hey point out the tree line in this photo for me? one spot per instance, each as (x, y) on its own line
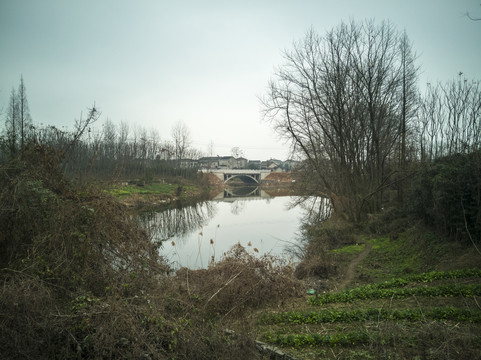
(350, 105)
(109, 151)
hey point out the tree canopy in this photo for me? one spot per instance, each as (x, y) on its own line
(345, 101)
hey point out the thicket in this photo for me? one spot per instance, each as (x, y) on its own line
(446, 194)
(80, 278)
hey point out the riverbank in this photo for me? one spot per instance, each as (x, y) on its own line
(136, 194)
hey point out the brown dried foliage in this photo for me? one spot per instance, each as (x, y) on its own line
(80, 278)
(239, 282)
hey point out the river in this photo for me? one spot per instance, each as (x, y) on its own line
(195, 235)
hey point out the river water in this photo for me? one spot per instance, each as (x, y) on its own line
(193, 236)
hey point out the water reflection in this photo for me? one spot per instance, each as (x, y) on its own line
(203, 232)
(316, 209)
(244, 192)
(166, 224)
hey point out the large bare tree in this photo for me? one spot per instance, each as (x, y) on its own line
(342, 101)
(18, 121)
(24, 119)
(11, 122)
(181, 138)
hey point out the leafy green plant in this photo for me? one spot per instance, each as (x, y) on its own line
(316, 339)
(366, 293)
(385, 289)
(370, 314)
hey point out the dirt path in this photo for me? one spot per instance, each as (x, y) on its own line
(351, 269)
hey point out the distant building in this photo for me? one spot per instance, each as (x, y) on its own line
(230, 162)
(222, 162)
(209, 162)
(241, 163)
(188, 163)
(254, 164)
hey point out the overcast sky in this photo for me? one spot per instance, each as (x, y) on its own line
(153, 63)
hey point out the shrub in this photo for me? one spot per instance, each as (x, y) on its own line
(82, 279)
(240, 281)
(446, 195)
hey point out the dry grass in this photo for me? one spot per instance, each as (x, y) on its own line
(79, 278)
(239, 282)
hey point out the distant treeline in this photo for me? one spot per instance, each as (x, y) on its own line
(113, 151)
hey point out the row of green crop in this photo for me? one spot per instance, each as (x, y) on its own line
(370, 293)
(346, 339)
(316, 339)
(439, 275)
(347, 316)
(427, 277)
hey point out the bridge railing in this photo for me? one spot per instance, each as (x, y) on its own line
(236, 171)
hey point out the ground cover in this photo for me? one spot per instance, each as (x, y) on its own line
(391, 308)
(153, 188)
(155, 193)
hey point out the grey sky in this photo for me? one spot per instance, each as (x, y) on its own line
(153, 63)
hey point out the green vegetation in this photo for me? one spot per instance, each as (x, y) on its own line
(392, 308)
(409, 317)
(379, 292)
(350, 249)
(153, 188)
(370, 314)
(147, 189)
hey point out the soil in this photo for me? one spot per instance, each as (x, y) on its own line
(351, 269)
(279, 177)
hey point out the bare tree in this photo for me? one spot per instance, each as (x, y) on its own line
(123, 138)
(409, 103)
(181, 138)
(210, 148)
(154, 143)
(472, 17)
(237, 152)
(24, 119)
(339, 100)
(18, 121)
(11, 122)
(450, 119)
(109, 139)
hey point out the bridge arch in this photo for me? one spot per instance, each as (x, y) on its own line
(243, 193)
(253, 177)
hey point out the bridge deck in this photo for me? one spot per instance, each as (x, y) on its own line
(228, 174)
(237, 171)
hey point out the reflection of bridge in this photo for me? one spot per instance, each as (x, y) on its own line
(245, 175)
(241, 193)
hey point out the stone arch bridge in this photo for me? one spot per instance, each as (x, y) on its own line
(248, 176)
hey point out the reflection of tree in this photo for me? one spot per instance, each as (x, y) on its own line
(166, 224)
(316, 209)
(237, 207)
